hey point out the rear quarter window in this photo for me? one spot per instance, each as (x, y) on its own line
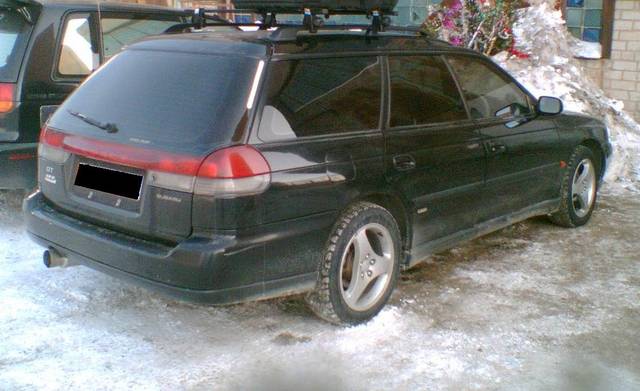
(315, 97)
(14, 36)
(77, 56)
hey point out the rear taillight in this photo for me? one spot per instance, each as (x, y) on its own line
(7, 91)
(233, 171)
(229, 172)
(226, 173)
(51, 146)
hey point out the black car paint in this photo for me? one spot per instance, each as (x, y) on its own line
(38, 83)
(270, 244)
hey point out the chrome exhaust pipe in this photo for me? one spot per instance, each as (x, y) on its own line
(53, 258)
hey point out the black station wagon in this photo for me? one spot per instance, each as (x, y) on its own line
(46, 50)
(225, 167)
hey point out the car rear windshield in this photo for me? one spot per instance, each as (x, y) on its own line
(173, 101)
(14, 36)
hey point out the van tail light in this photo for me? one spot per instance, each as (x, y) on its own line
(229, 172)
(7, 92)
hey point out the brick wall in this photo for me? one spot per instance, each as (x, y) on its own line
(620, 75)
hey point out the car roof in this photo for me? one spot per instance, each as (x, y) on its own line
(106, 6)
(294, 41)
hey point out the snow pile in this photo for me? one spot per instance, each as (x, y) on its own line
(552, 70)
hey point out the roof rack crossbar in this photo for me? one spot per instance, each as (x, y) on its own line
(310, 21)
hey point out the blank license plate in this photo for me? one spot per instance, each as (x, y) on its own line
(119, 183)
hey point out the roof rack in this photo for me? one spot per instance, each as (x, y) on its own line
(311, 21)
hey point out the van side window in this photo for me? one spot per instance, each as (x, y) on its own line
(423, 92)
(314, 97)
(121, 30)
(488, 92)
(77, 57)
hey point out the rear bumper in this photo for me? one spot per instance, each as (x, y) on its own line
(18, 164)
(217, 269)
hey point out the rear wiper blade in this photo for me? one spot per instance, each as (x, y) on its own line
(108, 126)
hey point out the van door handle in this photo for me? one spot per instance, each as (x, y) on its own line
(496, 149)
(404, 162)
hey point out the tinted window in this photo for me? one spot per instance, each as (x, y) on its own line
(77, 57)
(423, 91)
(321, 96)
(14, 35)
(489, 93)
(182, 102)
(123, 30)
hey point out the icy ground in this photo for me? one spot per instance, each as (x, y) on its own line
(533, 307)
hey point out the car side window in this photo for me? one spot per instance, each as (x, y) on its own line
(489, 93)
(423, 92)
(77, 57)
(313, 97)
(121, 30)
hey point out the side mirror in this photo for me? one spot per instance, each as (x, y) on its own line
(549, 105)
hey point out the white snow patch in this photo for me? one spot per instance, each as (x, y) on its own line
(584, 49)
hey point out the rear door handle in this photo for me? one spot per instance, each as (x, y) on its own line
(404, 162)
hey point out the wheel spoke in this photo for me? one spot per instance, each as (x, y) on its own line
(580, 180)
(379, 266)
(582, 200)
(363, 248)
(359, 282)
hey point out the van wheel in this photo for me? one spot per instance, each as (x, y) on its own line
(578, 191)
(360, 266)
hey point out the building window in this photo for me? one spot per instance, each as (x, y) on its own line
(412, 12)
(584, 19)
(591, 21)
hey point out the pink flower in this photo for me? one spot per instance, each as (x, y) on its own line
(456, 5)
(448, 24)
(456, 41)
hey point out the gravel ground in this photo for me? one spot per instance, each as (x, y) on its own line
(532, 307)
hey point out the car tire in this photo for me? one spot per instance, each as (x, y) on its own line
(359, 266)
(579, 189)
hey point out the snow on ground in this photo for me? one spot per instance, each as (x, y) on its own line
(552, 70)
(531, 307)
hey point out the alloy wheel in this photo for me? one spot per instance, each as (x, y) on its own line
(366, 267)
(583, 188)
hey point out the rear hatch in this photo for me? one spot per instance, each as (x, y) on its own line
(124, 150)
(17, 19)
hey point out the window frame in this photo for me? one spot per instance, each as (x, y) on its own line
(254, 135)
(606, 36)
(93, 30)
(426, 125)
(532, 100)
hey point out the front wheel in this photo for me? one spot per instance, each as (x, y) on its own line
(360, 266)
(579, 189)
